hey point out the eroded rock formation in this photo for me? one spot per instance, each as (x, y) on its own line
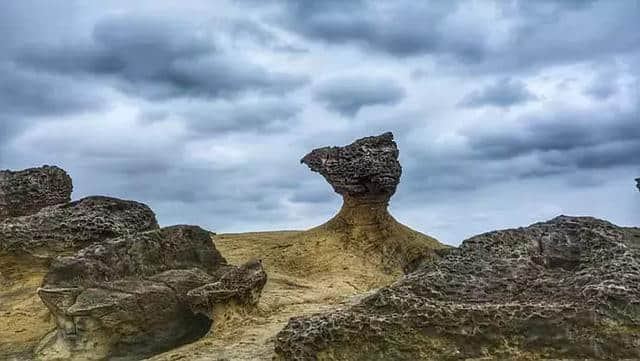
(366, 174)
(26, 192)
(137, 295)
(568, 288)
(71, 226)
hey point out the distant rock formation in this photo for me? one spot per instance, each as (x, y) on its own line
(27, 191)
(71, 226)
(137, 295)
(568, 288)
(638, 183)
(366, 174)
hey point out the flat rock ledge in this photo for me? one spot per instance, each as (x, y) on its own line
(568, 288)
(66, 228)
(134, 296)
(27, 191)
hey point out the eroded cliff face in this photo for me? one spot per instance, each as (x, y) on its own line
(366, 173)
(568, 288)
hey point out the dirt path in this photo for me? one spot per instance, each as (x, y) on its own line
(305, 276)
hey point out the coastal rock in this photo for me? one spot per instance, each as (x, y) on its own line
(367, 167)
(366, 173)
(568, 288)
(131, 297)
(71, 226)
(27, 191)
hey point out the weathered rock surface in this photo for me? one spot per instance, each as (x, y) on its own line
(136, 295)
(27, 191)
(367, 167)
(366, 174)
(68, 227)
(568, 288)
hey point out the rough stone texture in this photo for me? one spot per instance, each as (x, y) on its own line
(367, 167)
(366, 174)
(130, 297)
(27, 191)
(568, 288)
(69, 227)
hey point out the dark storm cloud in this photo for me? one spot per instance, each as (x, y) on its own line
(266, 115)
(157, 59)
(347, 95)
(25, 93)
(503, 93)
(521, 34)
(560, 132)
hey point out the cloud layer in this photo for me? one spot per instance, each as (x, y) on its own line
(505, 112)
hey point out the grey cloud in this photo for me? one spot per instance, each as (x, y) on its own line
(347, 95)
(503, 93)
(538, 32)
(158, 59)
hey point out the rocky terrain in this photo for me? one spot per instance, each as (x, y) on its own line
(98, 279)
(568, 288)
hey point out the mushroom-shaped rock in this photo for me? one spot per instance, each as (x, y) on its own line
(366, 174)
(27, 191)
(568, 288)
(71, 226)
(129, 297)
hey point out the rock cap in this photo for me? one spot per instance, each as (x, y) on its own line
(367, 167)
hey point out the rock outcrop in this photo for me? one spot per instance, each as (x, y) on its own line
(136, 295)
(568, 288)
(68, 227)
(366, 173)
(26, 192)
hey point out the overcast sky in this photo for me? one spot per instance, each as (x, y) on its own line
(505, 113)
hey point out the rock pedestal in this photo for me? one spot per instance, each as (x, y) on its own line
(366, 174)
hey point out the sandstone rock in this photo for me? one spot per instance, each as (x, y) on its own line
(69, 227)
(26, 192)
(130, 297)
(568, 288)
(366, 174)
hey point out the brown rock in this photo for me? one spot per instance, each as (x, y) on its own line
(27, 191)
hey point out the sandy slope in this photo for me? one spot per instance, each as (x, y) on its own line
(306, 275)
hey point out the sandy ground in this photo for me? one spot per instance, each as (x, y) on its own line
(24, 319)
(306, 275)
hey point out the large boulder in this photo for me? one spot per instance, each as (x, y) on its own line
(366, 174)
(65, 228)
(27, 191)
(136, 295)
(568, 288)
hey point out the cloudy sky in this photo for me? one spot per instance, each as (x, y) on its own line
(505, 113)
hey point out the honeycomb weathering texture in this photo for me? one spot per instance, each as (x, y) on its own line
(27, 191)
(368, 166)
(566, 288)
(131, 297)
(72, 226)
